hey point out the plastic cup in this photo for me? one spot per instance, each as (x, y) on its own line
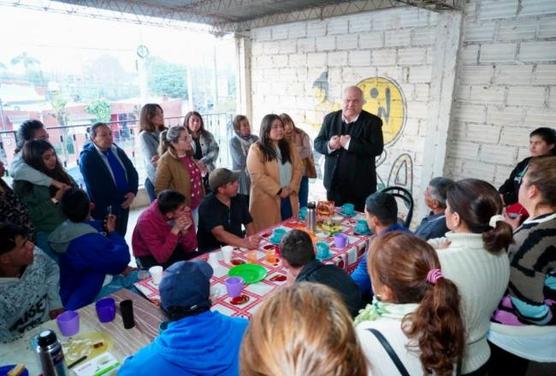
(362, 226)
(156, 274)
(68, 323)
(234, 285)
(278, 233)
(340, 240)
(106, 309)
(227, 254)
(270, 255)
(348, 209)
(322, 250)
(252, 257)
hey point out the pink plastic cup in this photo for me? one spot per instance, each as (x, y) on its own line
(68, 323)
(234, 285)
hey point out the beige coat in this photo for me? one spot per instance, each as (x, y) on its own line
(264, 203)
(172, 174)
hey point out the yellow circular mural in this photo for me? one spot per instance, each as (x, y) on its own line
(385, 99)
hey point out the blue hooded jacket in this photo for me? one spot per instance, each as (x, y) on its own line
(86, 256)
(361, 275)
(204, 344)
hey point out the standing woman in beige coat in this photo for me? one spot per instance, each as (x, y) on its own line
(177, 170)
(275, 171)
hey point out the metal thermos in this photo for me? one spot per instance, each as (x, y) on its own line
(51, 355)
(311, 219)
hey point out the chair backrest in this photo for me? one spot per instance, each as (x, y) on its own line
(407, 199)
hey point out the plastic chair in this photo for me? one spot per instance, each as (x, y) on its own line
(407, 199)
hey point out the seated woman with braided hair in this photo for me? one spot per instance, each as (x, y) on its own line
(414, 325)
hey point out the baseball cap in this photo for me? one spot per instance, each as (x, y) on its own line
(221, 176)
(186, 284)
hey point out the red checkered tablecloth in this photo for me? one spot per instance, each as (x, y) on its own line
(346, 258)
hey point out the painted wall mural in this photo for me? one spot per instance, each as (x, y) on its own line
(384, 98)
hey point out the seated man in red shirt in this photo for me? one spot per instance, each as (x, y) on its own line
(164, 232)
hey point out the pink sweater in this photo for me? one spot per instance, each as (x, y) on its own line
(152, 236)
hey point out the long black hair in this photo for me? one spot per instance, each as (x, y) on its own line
(32, 155)
(266, 145)
(26, 132)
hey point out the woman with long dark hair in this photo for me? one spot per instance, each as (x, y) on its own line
(41, 201)
(177, 170)
(239, 147)
(473, 255)
(275, 172)
(416, 309)
(302, 143)
(151, 123)
(205, 148)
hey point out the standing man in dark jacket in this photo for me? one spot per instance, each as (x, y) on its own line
(109, 175)
(299, 257)
(350, 140)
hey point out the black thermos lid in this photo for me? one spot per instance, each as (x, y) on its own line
(46, 338)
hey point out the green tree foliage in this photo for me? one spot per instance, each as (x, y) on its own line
(166, 78)
(100, 108)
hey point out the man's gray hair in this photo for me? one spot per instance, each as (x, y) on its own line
(355, 88)
(439, 186)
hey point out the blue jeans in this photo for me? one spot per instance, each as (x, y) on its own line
(303, 192)
(149, 187)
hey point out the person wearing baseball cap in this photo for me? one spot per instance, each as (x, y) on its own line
(222, 214)
(196, 341)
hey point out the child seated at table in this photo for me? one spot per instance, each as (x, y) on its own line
(300, 330)
(91, 257)
(28, 284)
(197, 341)
(298, 255)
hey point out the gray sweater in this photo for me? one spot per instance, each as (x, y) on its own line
(26, 302)
(148, 143)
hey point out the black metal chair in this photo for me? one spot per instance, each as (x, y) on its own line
(407, 199)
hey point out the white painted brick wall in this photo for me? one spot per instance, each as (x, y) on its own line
(498, 52)
(505, 86)
(505, 82)
(526, 96)
(538, 51)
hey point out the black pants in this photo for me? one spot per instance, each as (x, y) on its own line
(504, 363)
(145, 262)
(346, 196)
(121, 221)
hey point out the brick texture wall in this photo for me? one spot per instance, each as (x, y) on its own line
(506, 86)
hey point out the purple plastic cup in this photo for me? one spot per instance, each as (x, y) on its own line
(106, 309)
(234, 285)
(340, 240)
(68, 323)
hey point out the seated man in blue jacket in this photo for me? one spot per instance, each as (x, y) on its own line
(90, 256)
(381, 211)
(197, 341)
(298, 255)
(434, 224)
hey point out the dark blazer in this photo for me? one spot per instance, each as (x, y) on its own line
(510, 189)
(335, 278)
(432, 226)
(99, 182)
(366, 143)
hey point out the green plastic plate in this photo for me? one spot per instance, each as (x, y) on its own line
(251, 273)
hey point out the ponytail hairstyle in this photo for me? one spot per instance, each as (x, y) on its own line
(266, 145)
(476, 202)
(169, 136)
(405, 264)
